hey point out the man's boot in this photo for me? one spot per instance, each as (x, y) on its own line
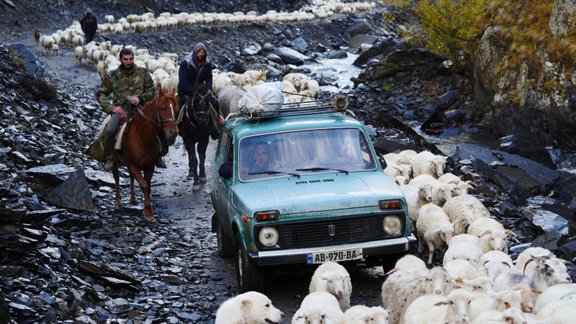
(109, 152)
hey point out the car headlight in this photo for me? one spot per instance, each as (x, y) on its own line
(268, 236)
(392, 225)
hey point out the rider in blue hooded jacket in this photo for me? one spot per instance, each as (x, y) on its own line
(194, 69)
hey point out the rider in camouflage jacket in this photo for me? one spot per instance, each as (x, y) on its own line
(131, 86)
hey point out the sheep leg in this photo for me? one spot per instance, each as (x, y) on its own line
(430, 252)
(420, 244)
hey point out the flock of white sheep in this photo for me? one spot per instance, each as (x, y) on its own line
(478, 282)
(164, 67)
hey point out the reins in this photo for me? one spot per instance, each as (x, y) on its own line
(191, 105)
(159, 120)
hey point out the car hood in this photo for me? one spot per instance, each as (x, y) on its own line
(315, 194)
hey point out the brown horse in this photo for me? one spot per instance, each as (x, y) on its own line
(142, 146)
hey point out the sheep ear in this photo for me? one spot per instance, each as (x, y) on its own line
(391, 272)
(459, 282)
(441, 303)
(485, 233)
(536, 291)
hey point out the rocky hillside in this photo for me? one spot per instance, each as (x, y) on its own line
(524, 70)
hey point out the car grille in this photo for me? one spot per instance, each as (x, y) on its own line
(330, 232)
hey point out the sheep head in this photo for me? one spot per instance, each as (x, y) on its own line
(337, 283)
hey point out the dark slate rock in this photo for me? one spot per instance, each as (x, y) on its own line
(339, 54)
(74, 193)
(359, 27)
(31, 62)
(569, 249)
(377, 51)
(406, 60)
(291, 56)
(528, 146)
(300, 45)
(446, 100)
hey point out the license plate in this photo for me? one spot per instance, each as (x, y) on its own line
(335, 256)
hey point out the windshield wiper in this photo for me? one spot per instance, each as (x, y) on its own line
(275, 172)
(323, 169)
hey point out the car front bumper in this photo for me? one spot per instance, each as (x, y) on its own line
(299, 256)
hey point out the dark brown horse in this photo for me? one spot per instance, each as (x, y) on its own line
(142, 145)
(198, 123)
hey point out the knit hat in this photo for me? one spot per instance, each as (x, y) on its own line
(191, 57)
(88, 10)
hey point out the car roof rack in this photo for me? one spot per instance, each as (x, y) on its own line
(338, 103)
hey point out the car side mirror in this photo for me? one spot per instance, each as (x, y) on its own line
(225, 170)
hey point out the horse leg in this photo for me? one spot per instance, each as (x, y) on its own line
(144, 183)
(148, 212)
(116, 174)
(202, 146)
(132, 192)
(190, 148)
(194, 168)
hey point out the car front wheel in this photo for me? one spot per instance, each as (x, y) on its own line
(225, 245)
(249, 276)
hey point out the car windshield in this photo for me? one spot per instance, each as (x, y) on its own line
(297, 153)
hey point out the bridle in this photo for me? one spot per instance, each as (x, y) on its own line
(191, 105)
(159, 121)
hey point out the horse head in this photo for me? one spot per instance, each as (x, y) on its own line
(166, 111)
(199, 109)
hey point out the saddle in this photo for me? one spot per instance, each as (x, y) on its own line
(97, 149)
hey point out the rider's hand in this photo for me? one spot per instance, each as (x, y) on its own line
(117, 110)
(221, 120)
(134, 100)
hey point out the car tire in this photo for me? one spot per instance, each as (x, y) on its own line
(225, 245)
(249, 277)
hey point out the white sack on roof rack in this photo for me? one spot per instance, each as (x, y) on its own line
(263, 100)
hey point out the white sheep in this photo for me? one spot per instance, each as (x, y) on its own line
(460, 269)
(318, 307)
(500, 301)
(464, 247)
(402, 287)
(460, 187)
(361, 314)
(440, 309)
(416, 196)
(492, 234)
(441, 192)
(409, 262)
(464, 209)
(433, 227)
(393, 170)
(559, 292)
(542, 268)
(335, 279)
(559, 312)
(480, 284)
(406, 156)
(426, 162)
(493, 263)
(509, 316)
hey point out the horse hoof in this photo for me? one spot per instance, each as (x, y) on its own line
(149, 216)
(203, 179)
(196, 186)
